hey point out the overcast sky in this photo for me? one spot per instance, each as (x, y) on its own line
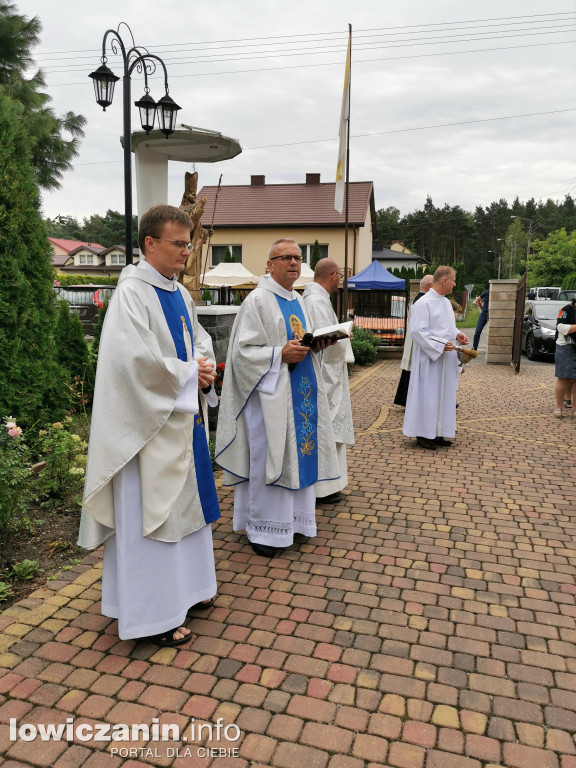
(445, 93)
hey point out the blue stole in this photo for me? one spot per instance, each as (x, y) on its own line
(177, 318)
(304, 396)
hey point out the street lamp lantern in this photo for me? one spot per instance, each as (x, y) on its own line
(136, 57)
(147, 107)
(104, 82)
(168, 112)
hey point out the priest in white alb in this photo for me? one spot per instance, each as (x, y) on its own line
(430, 414)
(274, 440)
(334, 367)
(149, 492)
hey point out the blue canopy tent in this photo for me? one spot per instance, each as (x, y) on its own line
(377, 277)
(377, 301)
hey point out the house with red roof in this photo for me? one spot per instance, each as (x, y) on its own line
(76, 257)
(62, 249)
(248, 218)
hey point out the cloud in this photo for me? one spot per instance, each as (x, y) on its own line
(292, 99)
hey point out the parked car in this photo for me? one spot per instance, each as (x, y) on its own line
(539, 328)
(85, 301)
(565, 296)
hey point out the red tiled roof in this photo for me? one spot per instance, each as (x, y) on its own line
(70, 245)
(271, 205)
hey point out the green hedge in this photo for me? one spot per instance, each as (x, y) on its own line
(66, 280)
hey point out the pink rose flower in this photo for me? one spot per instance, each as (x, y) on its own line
(15, 431)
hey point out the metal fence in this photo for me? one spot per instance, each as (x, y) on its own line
(382, 312)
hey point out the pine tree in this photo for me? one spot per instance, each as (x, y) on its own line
(51, 152)
(32, 385)
(71, 347)
(315, 255)
(73, 355)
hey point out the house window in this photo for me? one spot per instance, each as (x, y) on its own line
(86, 258)
(117, 258)
(307, 252)
(222, 253)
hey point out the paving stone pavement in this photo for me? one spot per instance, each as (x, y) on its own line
(430, 624)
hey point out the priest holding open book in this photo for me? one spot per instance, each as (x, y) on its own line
(275, 440)
(334, 367)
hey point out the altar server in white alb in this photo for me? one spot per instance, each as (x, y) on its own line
(149, 492)
(431, 404)
(334, 367)
(275, 438)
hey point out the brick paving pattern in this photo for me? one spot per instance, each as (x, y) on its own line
(430, 624)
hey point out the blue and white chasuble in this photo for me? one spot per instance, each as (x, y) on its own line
(304, 396)
(180, 326)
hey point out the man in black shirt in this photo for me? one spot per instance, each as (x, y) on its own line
(482, 302)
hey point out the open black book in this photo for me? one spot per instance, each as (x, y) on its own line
(340, 331)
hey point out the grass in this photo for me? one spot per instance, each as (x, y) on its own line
(471, 318)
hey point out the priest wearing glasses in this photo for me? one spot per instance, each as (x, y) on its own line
(275, 440)
(149, 492)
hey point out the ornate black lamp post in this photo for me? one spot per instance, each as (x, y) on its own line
(104, 79)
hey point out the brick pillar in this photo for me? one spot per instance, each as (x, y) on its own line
(414, 289)
(501, 312)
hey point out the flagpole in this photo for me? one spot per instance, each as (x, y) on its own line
(344, 308)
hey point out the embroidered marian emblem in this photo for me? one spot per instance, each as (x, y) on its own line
(306, 410)
(297, 327)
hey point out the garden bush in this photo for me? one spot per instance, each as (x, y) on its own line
(365, 353)
(65, 455)
(361, 334)
(15, 478)
(59, 480)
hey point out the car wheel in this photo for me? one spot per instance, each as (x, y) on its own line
(531, 353)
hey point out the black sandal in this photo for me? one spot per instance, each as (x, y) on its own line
(203, 606)
(167, 639)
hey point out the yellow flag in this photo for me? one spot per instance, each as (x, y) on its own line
(344, 115)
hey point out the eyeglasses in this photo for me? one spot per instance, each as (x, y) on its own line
(180, 244)
(286, 257)
(340, 274)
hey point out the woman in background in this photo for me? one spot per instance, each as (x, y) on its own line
(565, 367)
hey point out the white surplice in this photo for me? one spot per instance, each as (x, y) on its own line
(335, 375)
(431, 403)
(268, 514)
(149, 585)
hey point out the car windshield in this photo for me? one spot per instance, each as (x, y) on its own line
(548, 312)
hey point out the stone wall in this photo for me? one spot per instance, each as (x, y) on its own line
(501, 312)
(218, 322)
